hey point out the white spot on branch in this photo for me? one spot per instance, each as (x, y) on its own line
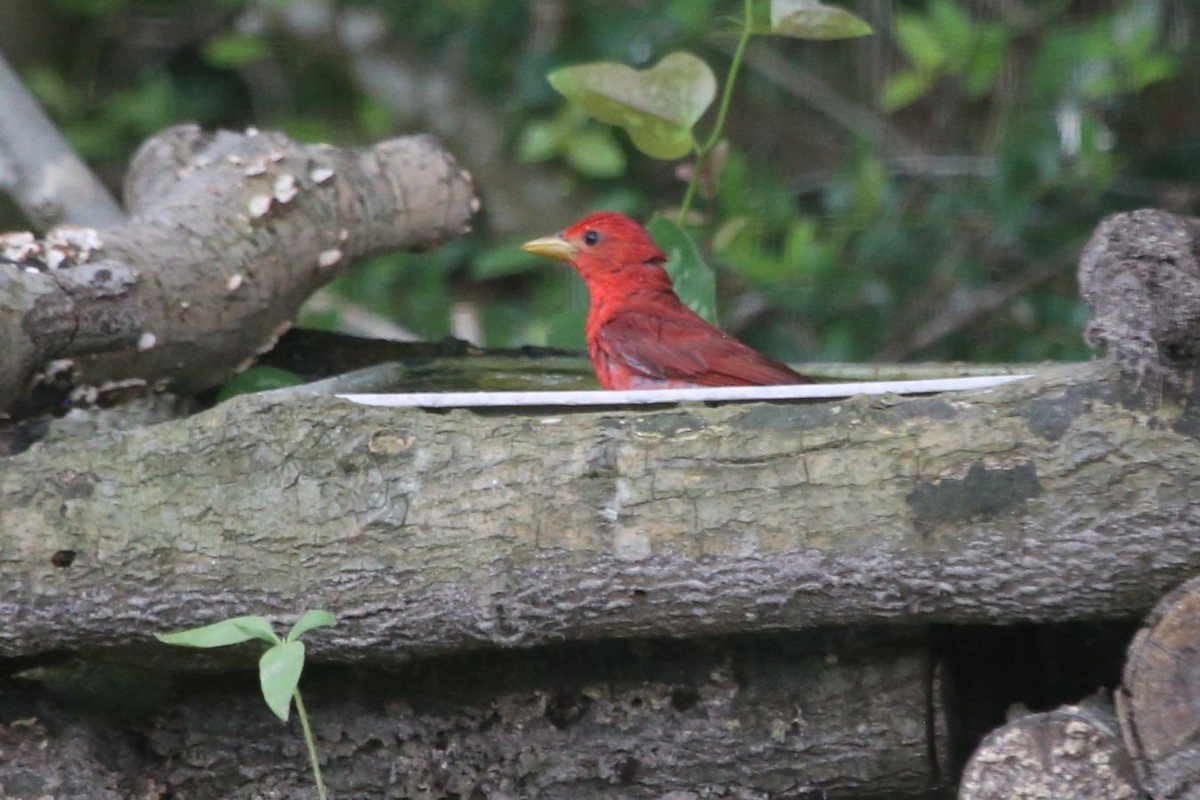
(17, 239)
(76, 242)
(273, 339)
(59, 367)
(328, 258)
(235, 282)
(259, 205)
(86, 395)
(285, 188)
(320, 174)
(19, 246)
(146, 341)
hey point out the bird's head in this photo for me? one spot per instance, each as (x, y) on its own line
(604, 246)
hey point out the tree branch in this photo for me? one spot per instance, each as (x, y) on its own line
(228, 235)
(39, 169)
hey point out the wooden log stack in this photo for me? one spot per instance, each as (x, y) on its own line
(742, 601)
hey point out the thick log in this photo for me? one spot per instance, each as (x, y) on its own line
(1159, 701)
(1052, 498)
(819, 714)
(1071, 753)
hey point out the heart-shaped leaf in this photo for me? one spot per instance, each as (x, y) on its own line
(279, 673)
(657, 107)
(694, 280)
(812, 19)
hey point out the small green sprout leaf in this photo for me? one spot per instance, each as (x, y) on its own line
(278, 670)
(694, 280)
(309, 620)
(812, 19)
(279, 673)
(230, 631)
(657, 107)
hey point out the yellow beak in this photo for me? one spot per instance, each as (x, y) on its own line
(555, 247)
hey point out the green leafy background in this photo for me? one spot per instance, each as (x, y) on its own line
(920, 193)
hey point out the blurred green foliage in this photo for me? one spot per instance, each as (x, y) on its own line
(941, 219)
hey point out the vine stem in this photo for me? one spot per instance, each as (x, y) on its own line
(312, 747)
(714, 136)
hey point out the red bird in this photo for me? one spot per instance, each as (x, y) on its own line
(640, 335)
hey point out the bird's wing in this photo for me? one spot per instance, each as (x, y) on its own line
(685, 348)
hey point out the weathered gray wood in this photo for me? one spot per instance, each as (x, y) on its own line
(1140, 274)
(813, 714)
(433, 532)
(1159, 701)
(1071, 753)
(228, 234)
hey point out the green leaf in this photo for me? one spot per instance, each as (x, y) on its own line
(233, 50)
(539, 140)
(951, 22)
(1152, 68)
(986, 59)
(812, 19)
(657, 107)
(694, 280)
(904, 88)
(230, 631)
(920, 42)
(594, 153)
(258, 379)
(279, 673)
(315, 618)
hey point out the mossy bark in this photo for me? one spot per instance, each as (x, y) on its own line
(1056, 497)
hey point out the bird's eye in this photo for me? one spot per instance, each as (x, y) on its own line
(591, 237)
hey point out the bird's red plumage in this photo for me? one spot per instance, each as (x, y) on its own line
(640, 334)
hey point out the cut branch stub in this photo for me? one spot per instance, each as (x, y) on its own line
(228, 234)
(1140, 275)
(1159, 703)
(1071, 753)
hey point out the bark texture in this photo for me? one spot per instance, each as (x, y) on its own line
(227, 236)
(1140, 274)
(427, 532)
(1160, 697)
(1072, 753)
(813, 714)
